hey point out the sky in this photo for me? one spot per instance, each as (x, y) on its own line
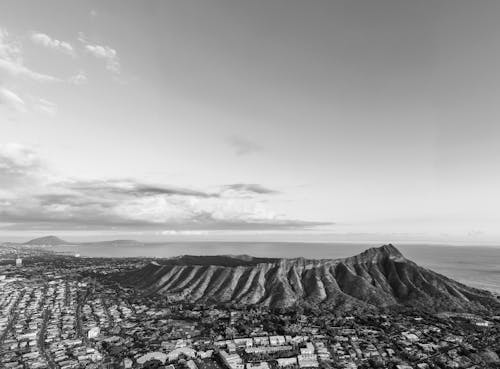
(281, 119)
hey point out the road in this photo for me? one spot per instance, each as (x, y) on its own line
(41, 340)
(81, 298)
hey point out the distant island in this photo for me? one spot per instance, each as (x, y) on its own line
(56, 241)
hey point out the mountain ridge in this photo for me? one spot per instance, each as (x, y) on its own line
(376, 278)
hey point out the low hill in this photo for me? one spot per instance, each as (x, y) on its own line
(46, 241)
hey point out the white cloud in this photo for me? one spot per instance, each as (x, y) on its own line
(20, 156)
(41, 200)
(16, 69)
(9, 50)
(46, 107)
(19, 166)
(79, 79)
(11, 100)
(106, 53)
(51, 43)
(11, 60)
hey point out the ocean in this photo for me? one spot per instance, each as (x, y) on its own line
(476, 266)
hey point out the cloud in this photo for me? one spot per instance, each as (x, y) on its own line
(251, 188)
(8, 49)
(11, 100)
(243, 146)
(16, 158)
(13, 103)
(79, 79)
(34, 199)
(107, 53)
(48, 42)
(11, 60)
(16, 69)
(46, 107)
(129, 187)
(19, 166)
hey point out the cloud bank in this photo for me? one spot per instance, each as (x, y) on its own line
(32, 198)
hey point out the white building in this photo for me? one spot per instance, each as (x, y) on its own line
(308, 361)
(412, 337)
(267, 349)
(277, 340)
(127, 363)
(93, 332)
(287, 361)
(232, 361)
(308, 350)
(264, 341)
(243, 342)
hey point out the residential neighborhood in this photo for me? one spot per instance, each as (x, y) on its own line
(70, 312)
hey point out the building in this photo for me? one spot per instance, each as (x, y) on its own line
(308, 350)
(127, 363)
(243, 342)
(19, 262)
(277, 340)
(287, 361)
(93, 332)
(232, 361)
(261, 365)
(267, 349)
(308, 361)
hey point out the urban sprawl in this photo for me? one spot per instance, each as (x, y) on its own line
(67, 312)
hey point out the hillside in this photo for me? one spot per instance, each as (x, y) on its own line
(377, 278)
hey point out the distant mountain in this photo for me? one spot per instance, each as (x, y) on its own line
(46, 241)
(55, 241)
(377, 278)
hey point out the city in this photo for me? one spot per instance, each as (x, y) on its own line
(249, 184)
(60, 311)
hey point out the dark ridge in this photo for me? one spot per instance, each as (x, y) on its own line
(220, 260)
